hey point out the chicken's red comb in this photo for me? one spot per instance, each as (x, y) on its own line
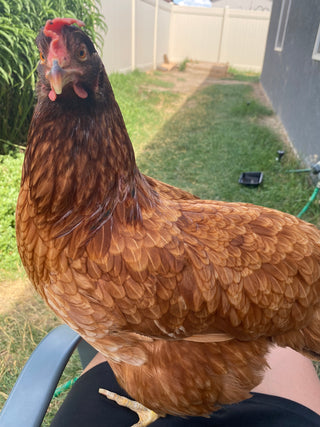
(53, 26)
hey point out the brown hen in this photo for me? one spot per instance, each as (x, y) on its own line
(178, 293)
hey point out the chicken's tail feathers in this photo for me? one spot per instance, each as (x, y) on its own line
(306, 340)
(312, 340)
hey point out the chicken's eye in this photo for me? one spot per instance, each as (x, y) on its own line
(42, 58)
(82, 53)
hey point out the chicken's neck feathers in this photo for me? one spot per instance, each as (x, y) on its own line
(81, 165)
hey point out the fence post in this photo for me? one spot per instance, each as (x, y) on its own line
(133, 35)
(223, 31)
(155, 34)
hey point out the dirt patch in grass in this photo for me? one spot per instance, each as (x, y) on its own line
(14, 292)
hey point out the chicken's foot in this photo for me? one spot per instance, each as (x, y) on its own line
(146, 416)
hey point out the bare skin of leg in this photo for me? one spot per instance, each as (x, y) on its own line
(291, 376)
(98, 358)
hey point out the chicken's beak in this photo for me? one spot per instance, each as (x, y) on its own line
(60, 77)
(55, 77)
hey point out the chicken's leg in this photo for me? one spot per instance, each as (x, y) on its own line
(146, 416)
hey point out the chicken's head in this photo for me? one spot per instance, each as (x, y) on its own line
(69, 63)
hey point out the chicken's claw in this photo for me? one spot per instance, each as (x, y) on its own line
(146, 416)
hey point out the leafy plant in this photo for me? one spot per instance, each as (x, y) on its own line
(10, 175)
(20, 21)
(183, 64)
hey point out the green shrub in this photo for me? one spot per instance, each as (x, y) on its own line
(20, 21)
(10, 175)
(183, 65)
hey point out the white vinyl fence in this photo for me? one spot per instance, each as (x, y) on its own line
(141, 32)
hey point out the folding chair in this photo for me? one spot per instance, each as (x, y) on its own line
(30, 397)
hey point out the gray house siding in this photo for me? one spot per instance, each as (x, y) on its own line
(291, 78)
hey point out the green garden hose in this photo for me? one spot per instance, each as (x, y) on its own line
(299, 170)
(64, 387)
(312, 198)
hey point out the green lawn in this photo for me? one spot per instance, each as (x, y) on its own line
(214, 137)
(201, 146)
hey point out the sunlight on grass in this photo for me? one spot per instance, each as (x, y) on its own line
(145, 109)
(243, 76)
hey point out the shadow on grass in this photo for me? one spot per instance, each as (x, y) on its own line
(216, 135)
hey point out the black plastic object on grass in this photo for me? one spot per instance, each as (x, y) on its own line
(251, 179)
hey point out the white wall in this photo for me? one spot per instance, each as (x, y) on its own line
(237, 37)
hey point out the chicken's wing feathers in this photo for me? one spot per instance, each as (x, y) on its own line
(198, 264)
